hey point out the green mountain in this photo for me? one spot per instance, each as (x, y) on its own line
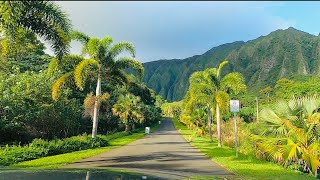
(282, 53)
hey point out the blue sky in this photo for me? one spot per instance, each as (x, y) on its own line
(167, 30)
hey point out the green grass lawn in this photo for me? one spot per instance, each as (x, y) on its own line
(245, 167)
(60, 160)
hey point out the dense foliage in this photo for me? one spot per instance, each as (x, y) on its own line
(278, 123)
(103, 64)
(53, 97)
(42, 148)
(286, 131)
(44, 18)
(29, 108)
(291, 133)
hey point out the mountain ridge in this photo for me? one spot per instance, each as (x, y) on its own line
(281, 53)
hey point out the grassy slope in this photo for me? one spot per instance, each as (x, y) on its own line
(244, 166)
(60, 160)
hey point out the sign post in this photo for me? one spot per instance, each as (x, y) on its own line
(235, 107)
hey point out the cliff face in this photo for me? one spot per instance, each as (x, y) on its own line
(282, 53)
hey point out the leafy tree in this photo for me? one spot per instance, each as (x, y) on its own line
(292, 133)
(138, 88)
(266, 92)
(173, 109)
(102, 64)
(43, 18)
(25, 52)
(160, 101)
(27, 110)
(129, 110)
(207, 88)
(284, 88)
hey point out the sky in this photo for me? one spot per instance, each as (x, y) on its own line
(169, 30)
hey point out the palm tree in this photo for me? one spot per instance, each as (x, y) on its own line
(209, 89)
(128, 109)
(43, 18)
(102, 63)
(292, 133)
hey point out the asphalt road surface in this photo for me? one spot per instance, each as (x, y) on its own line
(164, 153)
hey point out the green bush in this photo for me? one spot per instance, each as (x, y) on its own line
(41, 148)
(248, 114)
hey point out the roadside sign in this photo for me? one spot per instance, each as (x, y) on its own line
(147, 130)
(234, 106)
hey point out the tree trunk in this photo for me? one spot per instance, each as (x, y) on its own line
(127, 127)
(209, 125)
(218, 125)
(96, 109)
(133, 126)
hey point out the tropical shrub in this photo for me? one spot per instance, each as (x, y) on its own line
(27, 111)
(244, 143)
(292, 133)
(41, 148)
(128, 109)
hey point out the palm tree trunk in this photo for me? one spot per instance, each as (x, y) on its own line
(218, 125)
(96, 108)
(209, 125)
(127, 127)
(133, 126)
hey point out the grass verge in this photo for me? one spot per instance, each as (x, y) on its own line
(57, 161)
(244, 166)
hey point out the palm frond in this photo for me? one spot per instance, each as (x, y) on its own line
(235, 82)
(80, 36)
(79, 76)
(90, 101)
(293, 150)
(222, 99)
(198, 77)
(310, 104)
(94, 48)
(273, 122)
(46, 19)
(128, 62)
(117, 76)
(202, 88)
(53, 66)
(211, 76)
(59, 84)
(297, 120)
(221, 65)
(311, 158)
(120, 47)
(106, 41)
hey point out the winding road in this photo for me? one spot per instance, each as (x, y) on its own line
(164, 153)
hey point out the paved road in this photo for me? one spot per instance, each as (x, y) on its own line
(164, 153)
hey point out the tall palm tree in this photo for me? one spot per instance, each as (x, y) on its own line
(43, 18)
(209, 89)
(292, 132)
(103, 64)
(128, 109)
